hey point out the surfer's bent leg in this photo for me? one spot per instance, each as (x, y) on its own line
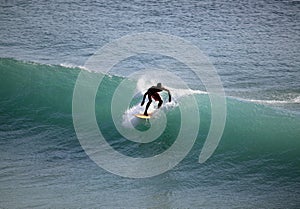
(160, 103)
(156, 97)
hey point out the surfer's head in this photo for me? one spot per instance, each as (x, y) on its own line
(159, 85)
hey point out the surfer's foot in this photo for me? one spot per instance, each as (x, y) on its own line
(146, 114)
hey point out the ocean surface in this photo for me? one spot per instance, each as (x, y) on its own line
(254, 47)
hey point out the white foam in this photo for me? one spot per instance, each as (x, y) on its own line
(288, 101)
(128, 116)
(296, 100)
(178, 93)
(68, 65)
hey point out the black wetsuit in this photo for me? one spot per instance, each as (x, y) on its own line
(153, 93)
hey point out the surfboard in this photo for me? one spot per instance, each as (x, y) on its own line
(142, 116)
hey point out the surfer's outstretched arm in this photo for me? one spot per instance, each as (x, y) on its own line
(169, 95)
(167, 90)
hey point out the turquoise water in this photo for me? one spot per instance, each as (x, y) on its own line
(43, 165)
(254, 47)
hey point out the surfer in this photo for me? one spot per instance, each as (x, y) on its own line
(153, 93)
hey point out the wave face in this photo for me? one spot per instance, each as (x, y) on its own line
(260, 145)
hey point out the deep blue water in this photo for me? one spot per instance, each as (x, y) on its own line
(254, 47)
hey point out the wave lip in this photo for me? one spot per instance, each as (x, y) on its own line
(295, 100)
